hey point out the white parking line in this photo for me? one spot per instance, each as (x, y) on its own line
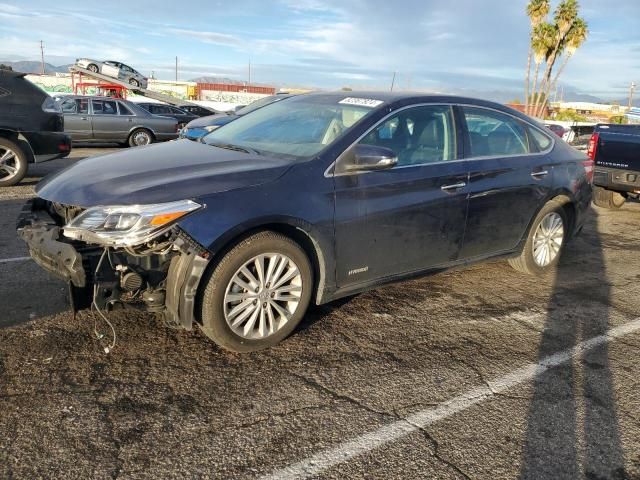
(15, 259)
(16, 197)
(376, 438)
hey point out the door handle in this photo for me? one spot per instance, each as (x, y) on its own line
(541, 174)
(455, 186)
(84, 118)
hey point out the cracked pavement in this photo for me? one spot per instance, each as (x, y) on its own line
(170, 404)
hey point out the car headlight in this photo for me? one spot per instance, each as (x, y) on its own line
(127, 225)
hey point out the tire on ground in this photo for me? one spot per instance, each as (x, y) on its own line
(21, 161)
(131, 140)
(214, 324)
(525, 261)
(607, 199)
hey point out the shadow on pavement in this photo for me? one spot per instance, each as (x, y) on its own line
(572, 428)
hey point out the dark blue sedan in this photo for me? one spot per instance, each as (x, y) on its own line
(309, 199)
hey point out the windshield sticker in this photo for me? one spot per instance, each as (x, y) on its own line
(362, 102)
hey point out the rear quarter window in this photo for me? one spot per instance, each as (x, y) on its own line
(542, 141)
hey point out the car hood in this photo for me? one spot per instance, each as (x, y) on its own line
(217, 119)
(158, 173)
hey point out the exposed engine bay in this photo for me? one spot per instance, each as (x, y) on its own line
(160, 274)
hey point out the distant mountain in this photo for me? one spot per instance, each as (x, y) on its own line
(36, 67)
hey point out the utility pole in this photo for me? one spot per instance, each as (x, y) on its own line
(249, 84)
(41, 57)
(393, 81)
(632, 89)
(176, 69)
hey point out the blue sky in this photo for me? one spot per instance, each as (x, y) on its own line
(459, 46)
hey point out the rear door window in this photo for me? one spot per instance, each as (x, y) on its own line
(495, 134)
(160, 110)
(104, 107)
(124, 110)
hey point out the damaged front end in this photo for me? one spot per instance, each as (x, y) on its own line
(119, 256)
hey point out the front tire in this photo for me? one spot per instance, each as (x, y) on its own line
(13, 163)
(258, 293)
(140, 137)
(92, 67)
(545, 242)
(607, 199)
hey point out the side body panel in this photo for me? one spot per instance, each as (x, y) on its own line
(398, 221)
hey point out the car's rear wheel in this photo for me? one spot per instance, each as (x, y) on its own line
(257, 294)
(134, 82)
(545, 242)
(92, 67)
(140, 137)
(607, 199)
(13, 163)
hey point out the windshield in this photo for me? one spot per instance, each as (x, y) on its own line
(298, 127)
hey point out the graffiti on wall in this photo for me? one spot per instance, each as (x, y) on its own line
(239, 98)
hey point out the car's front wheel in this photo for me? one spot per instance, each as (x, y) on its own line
(257, 294)
(92, 67)
(13, 163)
(545, 242)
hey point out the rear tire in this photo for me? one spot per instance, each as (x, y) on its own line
(13, 163)
(607, 199)
(550, 232)
(140, 137)
(246, 312)
(92, 67)
(134, 82)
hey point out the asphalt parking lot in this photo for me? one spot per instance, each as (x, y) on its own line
(478, 373)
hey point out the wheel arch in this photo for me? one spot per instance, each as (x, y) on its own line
(565, 199)
(20, 139)
(297, 230)
(141, 127)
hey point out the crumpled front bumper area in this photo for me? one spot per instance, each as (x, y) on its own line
(42, 235)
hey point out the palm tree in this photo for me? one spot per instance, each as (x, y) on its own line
(540, 44)
(537, 11)
(565, 16)
(574, 39)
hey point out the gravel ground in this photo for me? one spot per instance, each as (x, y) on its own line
(170, 404)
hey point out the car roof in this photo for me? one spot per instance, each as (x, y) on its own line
(93, 97)
(398, 99)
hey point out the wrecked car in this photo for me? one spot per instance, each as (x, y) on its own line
(309, 199)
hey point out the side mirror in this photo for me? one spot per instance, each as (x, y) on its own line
(371, 157)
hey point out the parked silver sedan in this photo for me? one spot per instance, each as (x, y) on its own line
(113, 120)
(114, 69)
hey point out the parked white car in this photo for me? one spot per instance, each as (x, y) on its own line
(114, 69)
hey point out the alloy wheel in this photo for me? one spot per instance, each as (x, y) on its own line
(262, 296)
(548, 239)
(9, 163)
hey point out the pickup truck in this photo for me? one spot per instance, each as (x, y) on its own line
(615, 149)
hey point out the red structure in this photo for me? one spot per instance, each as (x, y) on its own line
(103, 89)
(230, 87)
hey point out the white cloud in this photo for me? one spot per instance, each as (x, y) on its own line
(216, 38)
